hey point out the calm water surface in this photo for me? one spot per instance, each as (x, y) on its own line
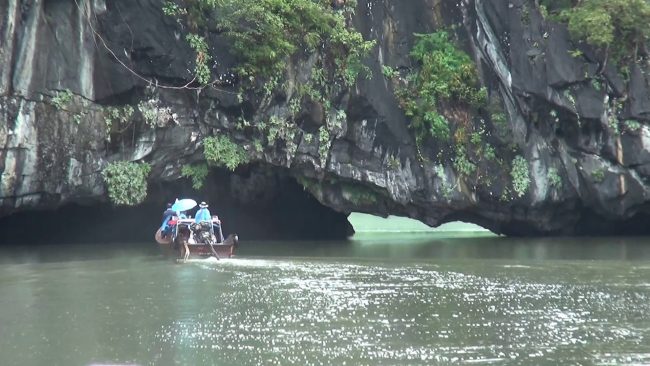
(383, 300)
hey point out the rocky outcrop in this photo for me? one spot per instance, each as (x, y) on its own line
(587, 169)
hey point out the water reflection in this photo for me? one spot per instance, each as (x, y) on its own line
(465, 246)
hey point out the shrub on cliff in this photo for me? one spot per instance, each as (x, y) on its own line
(126, 182)
(222, 151)
(445, 73)
(619, 27)
(265, 33)
(520, 175)
(197, 173)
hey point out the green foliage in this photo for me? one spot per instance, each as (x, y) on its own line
(280, 129)
(62, 98)
(489, 152)
(222, 151)
(257, 145)
(116, 116)
(498, 117)
(596, 84)
(613, 123)
(462, 164)
(197, 173)
(576, 53)
(446, 188)
(598, 175)
(554, 179)
(520, 175)
(265, 33)
(475, 138)
(616, 25)
(445, 73)
(324, 143)
(632, 124)
(171, 9)
(201, 68)
(126, 182)
(389, 72)
(148, 113)
(393, 162)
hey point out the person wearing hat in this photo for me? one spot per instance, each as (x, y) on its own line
(203, 214)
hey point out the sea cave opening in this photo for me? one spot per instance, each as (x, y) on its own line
(259, 205)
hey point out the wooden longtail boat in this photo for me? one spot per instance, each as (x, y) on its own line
(190, 240)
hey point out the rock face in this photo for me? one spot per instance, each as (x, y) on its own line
(585, 173)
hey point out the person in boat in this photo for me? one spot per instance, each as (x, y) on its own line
(203, 215)
(167, 215)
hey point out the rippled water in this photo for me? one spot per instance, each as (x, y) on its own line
(369, 302)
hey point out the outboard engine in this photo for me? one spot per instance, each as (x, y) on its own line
(203, 232)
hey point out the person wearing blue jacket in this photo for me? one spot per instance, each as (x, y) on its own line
(203, 214)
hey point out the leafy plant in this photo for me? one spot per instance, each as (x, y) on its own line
(489, 152)
(324, 144)
(154, 115)
(445, 73)
(389, 71)
(461, 163)
(616, 26)
(632, 124)
(520, 175)
(613, 123)
(265, 33)
(117, 115)
(598, 175)
(197, 173)
(554, 179)
(172, 9)
(393, 162)
(126, 182)
(447, 189)
(62, 98)
(201, 68)
(222, 151)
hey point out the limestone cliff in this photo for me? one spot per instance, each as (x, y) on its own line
(586, 175)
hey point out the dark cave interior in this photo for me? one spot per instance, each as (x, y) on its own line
(257, 206)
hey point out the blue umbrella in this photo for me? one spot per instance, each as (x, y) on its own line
(184, 205)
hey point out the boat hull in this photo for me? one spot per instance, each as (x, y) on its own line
(162, 240)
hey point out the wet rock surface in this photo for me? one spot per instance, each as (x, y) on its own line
(557, 108)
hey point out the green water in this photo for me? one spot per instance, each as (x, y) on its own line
(380, 300)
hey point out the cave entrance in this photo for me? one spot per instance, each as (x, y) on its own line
(257, 205)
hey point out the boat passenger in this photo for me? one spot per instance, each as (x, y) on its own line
(167, 215)
(203, 214)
